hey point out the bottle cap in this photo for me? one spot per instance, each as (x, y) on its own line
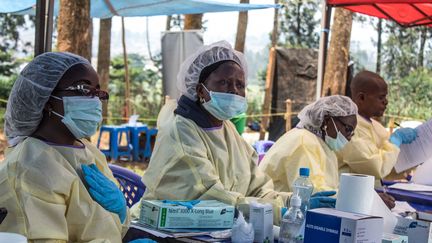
(295, 201)
(304, 172)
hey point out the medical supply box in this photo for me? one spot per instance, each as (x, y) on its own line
(392, 238)
(209, 214)
(332, 226)
(418, 231)
(261, 218)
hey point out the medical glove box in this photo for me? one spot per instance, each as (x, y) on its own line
(332, 226)
(418, 231)
(209, 214)
(392, 238)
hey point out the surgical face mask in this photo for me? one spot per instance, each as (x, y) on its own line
(82, 114)
(225, 106)
(337, 143)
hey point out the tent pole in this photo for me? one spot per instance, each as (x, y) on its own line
(325, 29)
(44, 25)
(49, 8)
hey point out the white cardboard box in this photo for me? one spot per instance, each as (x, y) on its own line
(332, 226)
(207, 214)
(418, 231)
(261, 217)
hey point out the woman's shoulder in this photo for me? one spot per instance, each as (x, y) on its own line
(299, 136)
(29, 147)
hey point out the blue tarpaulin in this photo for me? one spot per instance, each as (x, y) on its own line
(134, 8)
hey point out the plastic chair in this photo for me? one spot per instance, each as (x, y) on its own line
(152, 132)
(115, 149)
(262, 147)
(135, 132)
(130, 184)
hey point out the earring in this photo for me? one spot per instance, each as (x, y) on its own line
(202, 100)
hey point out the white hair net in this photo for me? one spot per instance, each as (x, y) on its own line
(312, 116)
(32, 90)
(190, 69)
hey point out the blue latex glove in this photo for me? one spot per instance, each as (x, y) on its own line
(187, 204)
(322, 200)
(403, 136)
(143, 241)
(104, 191)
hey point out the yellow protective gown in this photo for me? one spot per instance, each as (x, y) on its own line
(190, 162)
(301, 148)
(47, 201)
(369, 151)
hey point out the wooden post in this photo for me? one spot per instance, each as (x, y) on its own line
(391, 124)
(288, 115)
(268, 92)
(126, 73)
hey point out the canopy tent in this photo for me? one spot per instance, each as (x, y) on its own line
(407, 13)
(46, 9)
(109, 8)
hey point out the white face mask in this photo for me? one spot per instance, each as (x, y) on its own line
(82, 114)
(337, 143)
(225, 106)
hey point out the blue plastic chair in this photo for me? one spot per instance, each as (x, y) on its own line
(115, 149)
(135, 132)
(130, 184)
(148, 147)
(262, 147)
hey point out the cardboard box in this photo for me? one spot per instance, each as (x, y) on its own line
(207, 214)
(261, 218)
(392, 238)
(330, 225)
(418, 231)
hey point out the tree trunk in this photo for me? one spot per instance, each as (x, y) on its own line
(74, 27)
(379, 47)
(275, 32)
(168, 23)
(423, 38)
(104, 57)
(241, 29)
(338, 54)
(193, 21)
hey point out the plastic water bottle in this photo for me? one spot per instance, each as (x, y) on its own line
(303, 187)
(292, 223)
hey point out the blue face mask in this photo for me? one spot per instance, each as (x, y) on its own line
(337, 143)
(82, 114)
(225, 106)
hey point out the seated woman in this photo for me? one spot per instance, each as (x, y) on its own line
(325, 126)
(55, 185)
(198, 152)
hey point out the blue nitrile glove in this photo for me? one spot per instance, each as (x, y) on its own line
(187, 204)
(403, 136)
(322, 200)
(143, 241)
(104, 191)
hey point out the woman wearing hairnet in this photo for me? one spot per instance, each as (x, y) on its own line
(198, 152)
(56, 186)
(325, 126)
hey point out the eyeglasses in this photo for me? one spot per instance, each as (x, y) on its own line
(348, 128)
(87, 90)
